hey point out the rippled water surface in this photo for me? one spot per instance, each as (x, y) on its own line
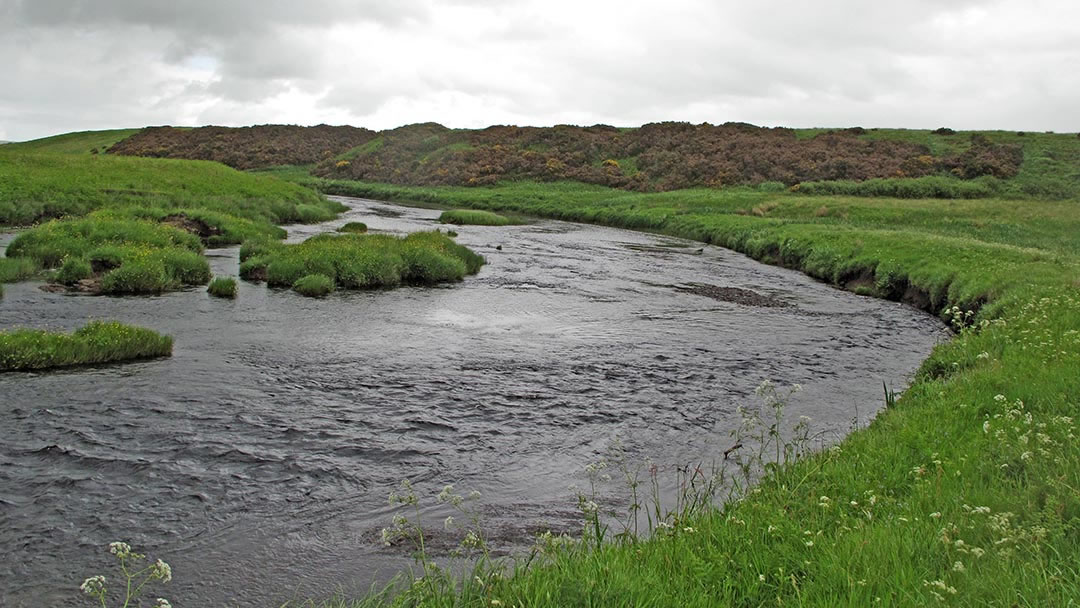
(257, 460)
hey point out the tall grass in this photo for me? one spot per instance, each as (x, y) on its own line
(354, 261)
(222, 287)
(96, 342)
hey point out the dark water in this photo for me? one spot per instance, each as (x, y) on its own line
(257, 460)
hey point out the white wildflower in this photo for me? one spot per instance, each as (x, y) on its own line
(162, 603)
(93, 585)
(958, 567)
(162, 571)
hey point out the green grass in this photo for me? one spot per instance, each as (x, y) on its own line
(17, 269)
(953, 491)
(96, 342)
(222, 287)
(313, 285)
(464, 217)
(354, 227)
(81, 142)
(355, 261)
(35, 186)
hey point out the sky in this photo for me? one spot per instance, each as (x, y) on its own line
(966, 64)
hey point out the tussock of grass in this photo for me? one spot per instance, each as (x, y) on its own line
(17, 269)
(73, 270)
(222, 287)
(354, 261)
(474, 217)
(96, 342)
(354, 227)
(313, 285)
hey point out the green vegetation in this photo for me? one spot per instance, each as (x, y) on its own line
(964, 488)
(354, 261)
(129, 256)
(36, 186)
(81, 142)
(222, 287)
(463, 217)
(354, 227)
(17, 269)
(313, 285)
(96, 342)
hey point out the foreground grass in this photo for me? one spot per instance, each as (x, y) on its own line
(965, 492)
(96, 342)
(358, 261)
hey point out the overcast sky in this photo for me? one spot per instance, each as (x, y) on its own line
(93, 64)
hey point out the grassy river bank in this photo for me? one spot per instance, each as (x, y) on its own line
(966, 491)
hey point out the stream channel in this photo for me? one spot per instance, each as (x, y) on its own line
(257, 460)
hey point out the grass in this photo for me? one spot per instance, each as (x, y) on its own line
(36, 186)
(222, 287)
(354, 227)
(967, 488)
(96, 342)
(463, 217)
(314, 285)
(81, 142)
(354, 261)
(130, 256)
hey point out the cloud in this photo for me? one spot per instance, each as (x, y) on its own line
(110, 63)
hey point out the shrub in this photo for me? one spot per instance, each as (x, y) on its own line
(354, 227)
(97, 342)
(463, 217)
(314, 285)
(74, 270)
(222, 287)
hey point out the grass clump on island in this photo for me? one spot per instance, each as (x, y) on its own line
(222, 287)
(473, 217)
(354, 228)
(965, 488)
(127, 256)
(96, 342)
(354, 261)
(314, 285)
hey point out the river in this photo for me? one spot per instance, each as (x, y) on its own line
(257, 460)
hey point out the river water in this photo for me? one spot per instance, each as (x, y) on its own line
(258, 458)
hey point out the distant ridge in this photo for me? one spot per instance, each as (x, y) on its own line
(654, 157)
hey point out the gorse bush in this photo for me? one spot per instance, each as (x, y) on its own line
(96, 342)
(475, 217)
(354, 261)
(222, 287)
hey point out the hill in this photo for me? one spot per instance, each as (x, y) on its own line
(244, 147)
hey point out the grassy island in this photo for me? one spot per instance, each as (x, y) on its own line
(474, 217)
(355, 261)
(96, 342)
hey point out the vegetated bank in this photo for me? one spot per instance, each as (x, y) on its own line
(965, 489)
(134, 225)
(358, 261)
(96, 342)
